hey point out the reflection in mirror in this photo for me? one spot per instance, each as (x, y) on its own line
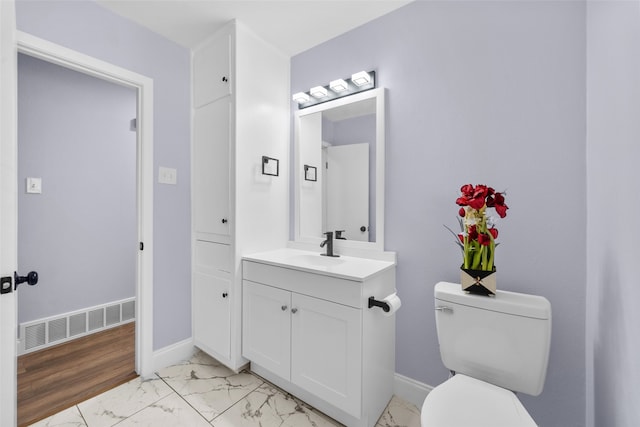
(345, 138)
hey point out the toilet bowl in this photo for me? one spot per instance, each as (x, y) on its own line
(495, 346)
(463, 401)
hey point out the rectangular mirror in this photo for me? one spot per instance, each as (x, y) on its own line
(346, 139)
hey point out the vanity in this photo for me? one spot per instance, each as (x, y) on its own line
(307, 327)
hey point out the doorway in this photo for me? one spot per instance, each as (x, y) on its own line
(77, 228)
(57, 54)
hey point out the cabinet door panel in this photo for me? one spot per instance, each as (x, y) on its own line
(326, 351)
(212, 314)
(211, 71)
(211, 167)
(266, 327)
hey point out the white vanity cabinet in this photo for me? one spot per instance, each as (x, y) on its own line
(235, 208)
(314, 335)
(309, 341)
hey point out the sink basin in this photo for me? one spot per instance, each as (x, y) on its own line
(344, 267)
(316, 260)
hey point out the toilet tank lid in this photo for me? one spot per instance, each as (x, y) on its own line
(517, 304)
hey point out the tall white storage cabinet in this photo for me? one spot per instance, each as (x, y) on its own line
(240, 113)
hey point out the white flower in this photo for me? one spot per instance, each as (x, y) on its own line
(469, 220)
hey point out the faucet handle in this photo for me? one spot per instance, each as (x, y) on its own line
(329, 234)
(339, 235)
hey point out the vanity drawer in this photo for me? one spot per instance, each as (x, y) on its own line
(342, 291)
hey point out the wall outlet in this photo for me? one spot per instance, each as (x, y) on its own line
(167, 175)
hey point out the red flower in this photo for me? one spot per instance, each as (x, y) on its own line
(484, 239)
(467, 190)
(494, 233)
(500, 207)
(462, 212)
(473, 232)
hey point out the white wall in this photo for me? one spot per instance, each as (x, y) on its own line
(613, 253)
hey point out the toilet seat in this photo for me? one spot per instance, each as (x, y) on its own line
(463, 401)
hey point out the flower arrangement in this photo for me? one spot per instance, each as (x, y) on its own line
(478, 235)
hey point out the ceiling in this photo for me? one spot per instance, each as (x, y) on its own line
(292, 26)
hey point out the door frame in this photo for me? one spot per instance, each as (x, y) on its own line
(8, 210)
(68, 58)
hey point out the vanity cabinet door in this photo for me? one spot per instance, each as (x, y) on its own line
(212, 314)
(326, 351)
(266, 327)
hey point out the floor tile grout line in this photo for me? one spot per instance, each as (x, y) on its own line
(185, 400)
(139, 410)
(242, 398)
(84, 420)
(230, 406)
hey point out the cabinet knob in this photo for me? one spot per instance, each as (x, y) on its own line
(294, 310)
(225, 294)
(284, 308)
(224, 79)
(224, 220)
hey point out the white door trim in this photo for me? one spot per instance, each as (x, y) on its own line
(8, 210)
(51, 52)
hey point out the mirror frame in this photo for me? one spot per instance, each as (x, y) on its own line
(379, 95)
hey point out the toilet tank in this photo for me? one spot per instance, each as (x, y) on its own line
(503, 340)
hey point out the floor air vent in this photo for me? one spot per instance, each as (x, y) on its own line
(44, 333)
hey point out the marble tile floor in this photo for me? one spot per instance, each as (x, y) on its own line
(201, 392)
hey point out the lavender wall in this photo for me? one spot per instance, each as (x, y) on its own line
(481, 92)
(88, 28)
(80, 233)
(613, 128)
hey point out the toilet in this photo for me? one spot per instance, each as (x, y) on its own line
(495, 346)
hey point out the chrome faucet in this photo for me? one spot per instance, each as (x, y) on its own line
(329, 244)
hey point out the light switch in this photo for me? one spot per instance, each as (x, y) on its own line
(34, 185)
(167, 175)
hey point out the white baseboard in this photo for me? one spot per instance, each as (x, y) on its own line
(173, 354)
(411, 390)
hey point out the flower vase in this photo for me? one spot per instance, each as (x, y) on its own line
(481, 282)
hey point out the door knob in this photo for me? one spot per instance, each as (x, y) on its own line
(31, 279)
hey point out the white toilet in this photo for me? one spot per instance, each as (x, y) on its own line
(496, 346)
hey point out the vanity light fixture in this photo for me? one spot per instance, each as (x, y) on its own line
(338, 85)
(338, 88)
(318, 92)
(300, 97)
(361, 78)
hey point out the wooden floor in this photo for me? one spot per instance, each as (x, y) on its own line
(59, 377)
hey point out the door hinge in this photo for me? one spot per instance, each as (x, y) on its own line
(6, 285)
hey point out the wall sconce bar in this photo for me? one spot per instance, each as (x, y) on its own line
(270, 166)
(359, 82)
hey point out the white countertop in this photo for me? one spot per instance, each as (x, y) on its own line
(344, 267)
